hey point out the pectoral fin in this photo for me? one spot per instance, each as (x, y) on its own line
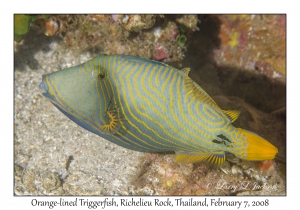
(113, 123)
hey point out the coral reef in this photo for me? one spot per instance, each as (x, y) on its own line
(149, 36)
(189, 21)
(253, 42)
(163, 176)
(22, 24)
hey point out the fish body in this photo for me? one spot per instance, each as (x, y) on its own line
(150, 106)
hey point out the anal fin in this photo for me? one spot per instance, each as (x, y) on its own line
(213, 158)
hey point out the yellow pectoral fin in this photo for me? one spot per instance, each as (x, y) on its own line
(213, 158)
(113, 126)
(113, 123)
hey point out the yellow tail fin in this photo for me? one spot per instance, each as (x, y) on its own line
(258, 148)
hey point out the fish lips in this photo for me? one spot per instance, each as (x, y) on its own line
(44, 89)
(42, 86)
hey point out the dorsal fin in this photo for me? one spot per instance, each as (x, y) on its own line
(215, 158)
(193, 88)
(196, 91)
(186, 71)
(232, 114)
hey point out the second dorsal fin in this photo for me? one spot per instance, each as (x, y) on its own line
(186, 71)
(232, 114)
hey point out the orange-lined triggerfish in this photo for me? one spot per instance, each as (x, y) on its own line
(150, 106)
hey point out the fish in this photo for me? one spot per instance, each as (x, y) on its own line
(150, 106)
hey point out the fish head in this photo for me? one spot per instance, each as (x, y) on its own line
(67, 86)
(75, 92)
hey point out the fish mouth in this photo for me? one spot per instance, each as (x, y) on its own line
(42, 86)
(46, 90)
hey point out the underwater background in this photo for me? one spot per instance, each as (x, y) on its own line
(238, 59)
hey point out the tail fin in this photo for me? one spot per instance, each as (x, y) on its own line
(258, 148)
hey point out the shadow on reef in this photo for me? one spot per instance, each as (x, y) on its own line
(34, 41)
(259, 90)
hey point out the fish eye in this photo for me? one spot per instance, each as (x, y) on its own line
(101, 76)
